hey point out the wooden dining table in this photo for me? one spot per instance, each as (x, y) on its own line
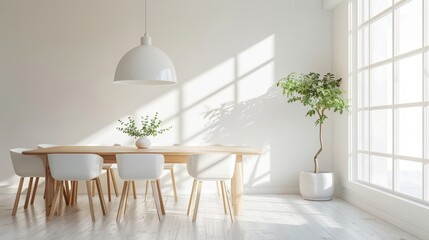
(172, 154)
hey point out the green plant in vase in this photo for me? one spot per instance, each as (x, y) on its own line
(149, 127)
(320, 95)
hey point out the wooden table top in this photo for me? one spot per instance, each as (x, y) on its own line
(166, 150)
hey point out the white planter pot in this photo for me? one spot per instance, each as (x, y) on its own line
(143, 142)
(316, 186)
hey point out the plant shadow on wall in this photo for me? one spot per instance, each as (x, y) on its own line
(264, 121)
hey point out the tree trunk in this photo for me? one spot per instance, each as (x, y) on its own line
(316, 164)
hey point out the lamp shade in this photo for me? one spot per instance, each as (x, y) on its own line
(145, 64)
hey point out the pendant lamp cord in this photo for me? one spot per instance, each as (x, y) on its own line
(145, 14)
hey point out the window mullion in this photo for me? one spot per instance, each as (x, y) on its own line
(424, 125)
(394, 178)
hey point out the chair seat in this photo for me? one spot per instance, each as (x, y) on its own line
(27, 165)
(140, 166)
(211, 166)
(75, 166)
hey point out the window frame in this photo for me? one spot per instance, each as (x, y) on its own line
(356, 70)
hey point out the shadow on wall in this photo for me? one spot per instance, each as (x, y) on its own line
(235, 120)
(266, 121)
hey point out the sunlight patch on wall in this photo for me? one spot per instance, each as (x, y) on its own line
(255, 69)
(255, 56)
(257, 170)
(194, 125)
(203, 86)
(109, 135)
(256, 83)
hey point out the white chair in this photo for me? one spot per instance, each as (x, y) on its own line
(26, 166)
(147, 167)
(74, 167)
(169, 167)
(66, 188)
(211, 167)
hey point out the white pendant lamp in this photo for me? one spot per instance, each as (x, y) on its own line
(145, 64)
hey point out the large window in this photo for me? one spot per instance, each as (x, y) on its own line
(390, 67)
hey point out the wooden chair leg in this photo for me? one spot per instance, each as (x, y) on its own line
(76, 192)
(134, 190)
(57, 195)
(121, 203)
(157, 201)
(223, 197)
(194, 185)
(29, 188)
(115, 186)
(229, 200)
(173, 182)
(66, 192)
(91, 207)
(101, 196)
(60, 199)
(145, 191)
(33, 196)
(18, 195)
(161, 201)
(93, 188)
(197, 201)
(127, 196)
(71, 196)
(108, 185)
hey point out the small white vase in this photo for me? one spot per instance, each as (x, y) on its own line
(316, 186)
(143, 142)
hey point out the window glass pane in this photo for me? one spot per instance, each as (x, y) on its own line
(426, 22)
(363, 167)
(427, 182)
(381, 39)
(363, 89)
(426, 122)
(381, 131)
(363, 130)
(409, 131)
(409, 178)
(381, 85)
(381, 171)
(363, 11)
(409, 79)
(363, 47)
(409, 26)
(377, 6)
(426, 76)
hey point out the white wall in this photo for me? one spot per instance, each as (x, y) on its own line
(402, 213)
(58, 57)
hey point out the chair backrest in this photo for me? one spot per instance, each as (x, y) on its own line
(46, 145)
(211, 166)
(140, 166)
(75, 166)
(27, 165)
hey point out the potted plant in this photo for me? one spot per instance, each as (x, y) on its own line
(320, 95)
(149, 127)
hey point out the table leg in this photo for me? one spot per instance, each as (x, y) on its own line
(237, 186)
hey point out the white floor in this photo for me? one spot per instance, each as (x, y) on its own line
(266, 217)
